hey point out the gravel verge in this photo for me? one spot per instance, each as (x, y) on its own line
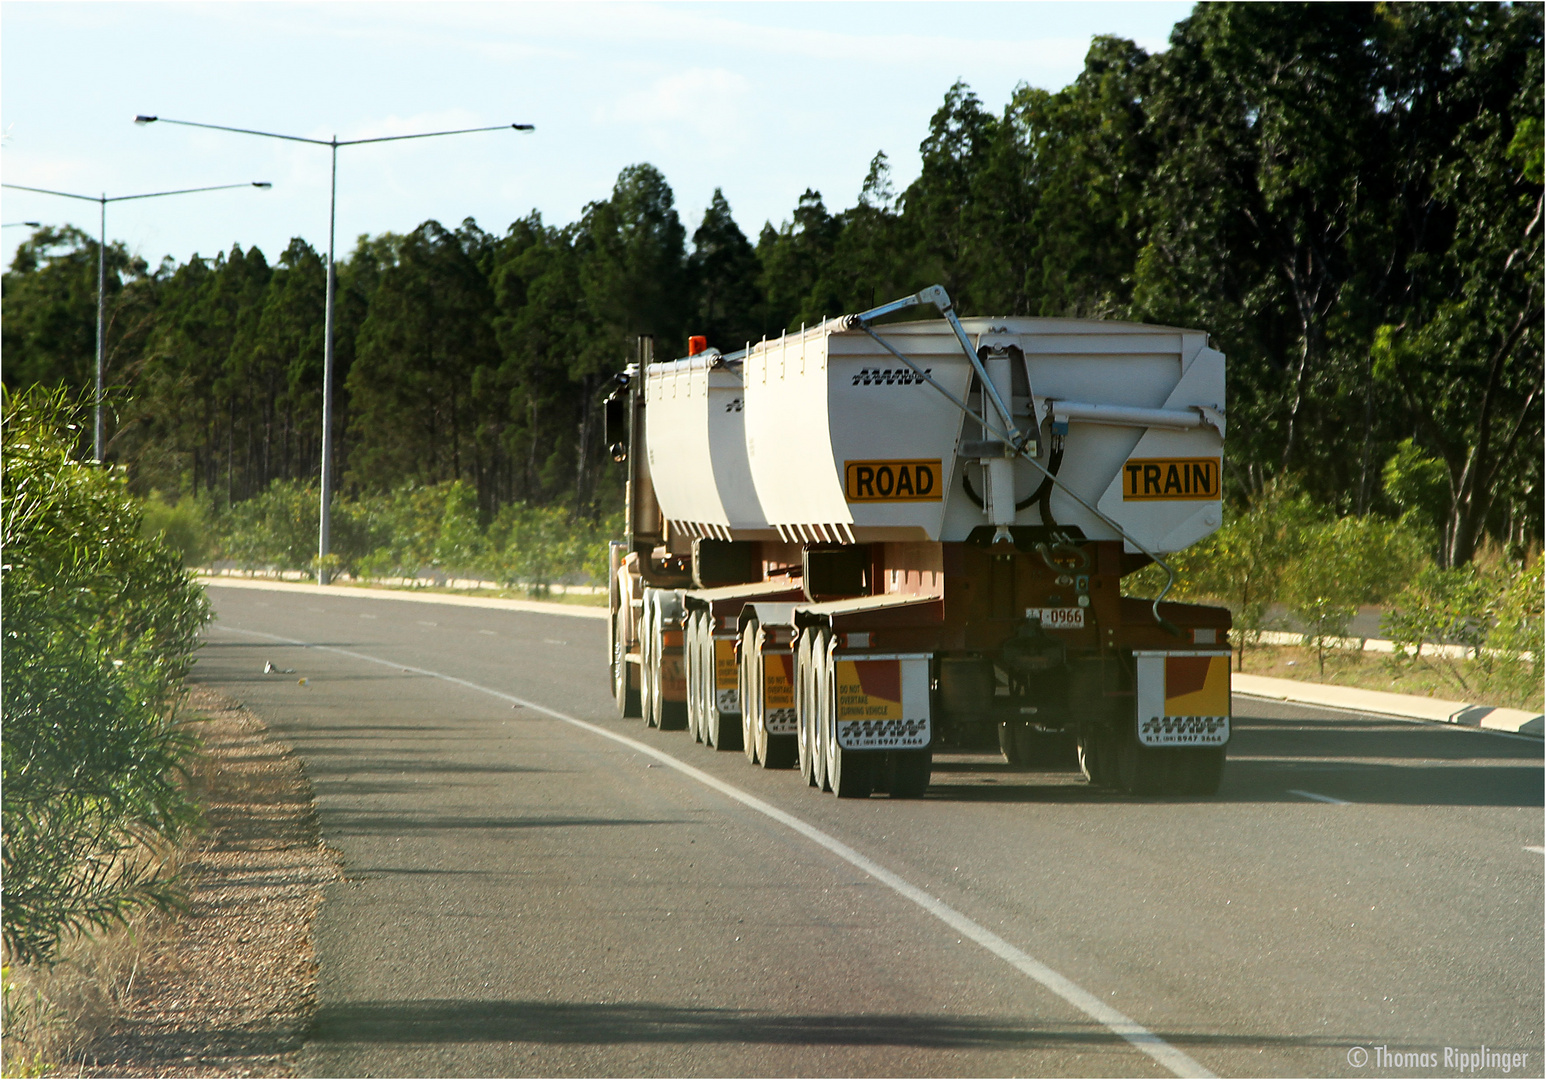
(229, 987)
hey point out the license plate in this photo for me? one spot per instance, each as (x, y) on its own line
(1058, 618)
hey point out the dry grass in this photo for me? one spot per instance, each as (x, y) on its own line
(1454, 680)
(223, 989)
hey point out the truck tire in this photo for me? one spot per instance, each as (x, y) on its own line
(850, 775)
(649, 670)
(746, 677)
(773, 751)
(805, 708)
(626, 696)
(821, 694)
(690, 672)
(1025, 746)
(1096, 748)
(1154, 770)
(907, 773)
(700, 687)
(1203, 770)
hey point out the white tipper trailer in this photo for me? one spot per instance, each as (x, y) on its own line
(854, 546)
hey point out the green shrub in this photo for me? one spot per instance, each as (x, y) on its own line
(1517, 641)
(100, 624)
(277, 528)
(1242, 564)
(183, 526)
(1441, 606)
(1345, 564)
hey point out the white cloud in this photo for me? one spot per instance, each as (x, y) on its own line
(707, 104)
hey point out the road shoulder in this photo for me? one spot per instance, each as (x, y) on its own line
(229, 987)
(348, 592)
(1381, 703)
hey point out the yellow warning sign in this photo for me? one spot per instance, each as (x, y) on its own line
(892, 481)
(869, 690)
(1197, 686)
(726, 671)
(1170, 478)
(777, 681)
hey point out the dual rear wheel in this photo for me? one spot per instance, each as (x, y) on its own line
(704, 720)
(824, 762)
(1112, 756)
(661, 610)
(760, 747)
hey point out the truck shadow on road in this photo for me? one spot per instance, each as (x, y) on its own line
(466, 1021)
(1275, 759)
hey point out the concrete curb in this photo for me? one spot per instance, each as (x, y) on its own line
(353, 592)
(1406, 706)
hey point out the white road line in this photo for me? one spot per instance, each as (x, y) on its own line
(1135, 1033)
(1319, 798)
(1537, 850)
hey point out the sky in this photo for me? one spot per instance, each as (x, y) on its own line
(762, 100)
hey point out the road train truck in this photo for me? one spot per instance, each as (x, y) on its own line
(883, 538)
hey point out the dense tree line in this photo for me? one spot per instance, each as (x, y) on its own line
(1347, 197)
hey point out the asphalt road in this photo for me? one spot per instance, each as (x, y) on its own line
(533, 886)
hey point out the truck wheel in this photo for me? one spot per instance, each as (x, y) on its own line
(1010, 746)
(723, 728)
(1203, 770)
(850, 775)
(1029, 748)
(700, 694)
(1097, 754)
(746, 677)
(773, 751)
(805, 708)
(690, 672)
(669, 715)
(626, 696)
(649, 657)
(907, 773)
(1148, 770)
(821, 707)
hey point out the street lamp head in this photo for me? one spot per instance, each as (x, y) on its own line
(142, 120)
(518, 127)
(264, 184)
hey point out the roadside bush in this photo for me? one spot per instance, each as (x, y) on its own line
(537, 546)
(1516, 645)
(1494, 612)
(100, 624)
(414, 528)
(1242, 565)
(1439, 606)
(1343, 564)
(183, 526)
(277, 528)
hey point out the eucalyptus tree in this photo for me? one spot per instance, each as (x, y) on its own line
(423, 354)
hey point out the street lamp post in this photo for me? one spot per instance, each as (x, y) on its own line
(326, 498)
(103, 200)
